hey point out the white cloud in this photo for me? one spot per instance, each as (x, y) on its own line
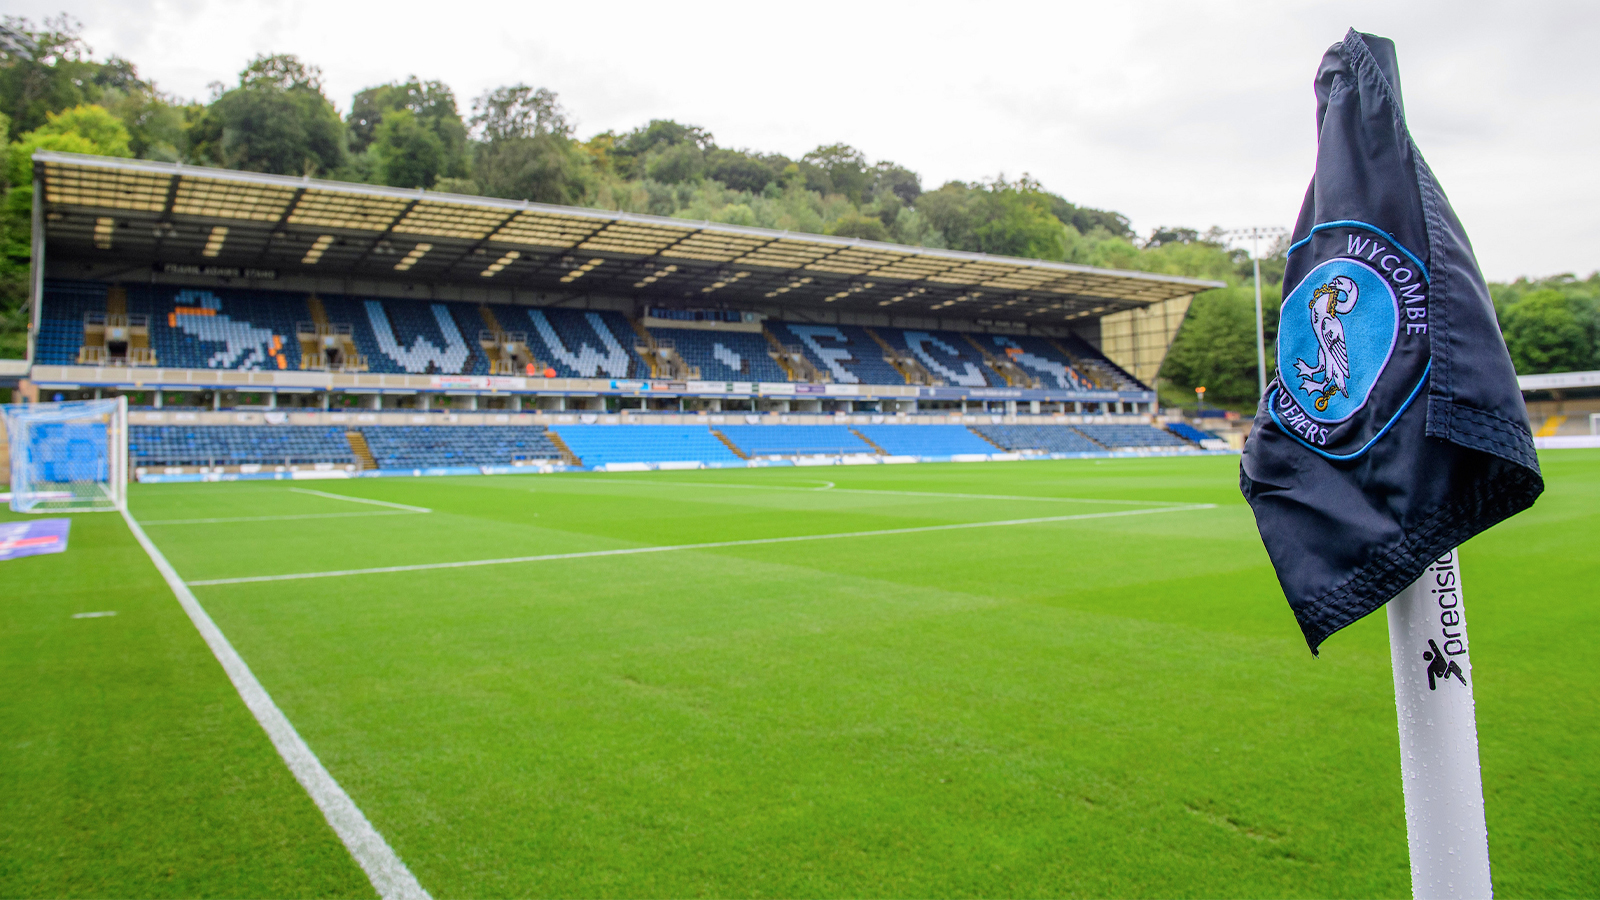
(1173, 113)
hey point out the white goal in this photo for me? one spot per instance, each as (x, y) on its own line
(68, 457)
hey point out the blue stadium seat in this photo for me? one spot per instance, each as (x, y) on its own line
(1190, 433)
(724, 355)
(577, 343)
(945, 354)
(597, 445)
(237, 445)
(847, 352)
(794, 440)
(1046, 438)
(925, 440)
(412, 337)
(1137, 436)
(432, 446)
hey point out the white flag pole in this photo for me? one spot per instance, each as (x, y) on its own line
(1439, 737)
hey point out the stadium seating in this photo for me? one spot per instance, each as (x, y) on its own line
(925, 440)
(411, 337)
(577, 343)
(1190, 433)
(220, 328)
(794, 440)
(1111, 375)
(1046, 438)
(247, 329)
(724, 355)
(1039, 359)
(61, 326)
(945, 354)
(235, 445)
(428, 446)
(1115, 437)
(846, 352)
(596, 445)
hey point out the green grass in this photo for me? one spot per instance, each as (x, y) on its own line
(1101, 707)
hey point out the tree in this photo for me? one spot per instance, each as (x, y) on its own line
(518, 111)
(869, 228)
(406, 152)
(1216, 346)
(433, 110)
(277, 120)
(740, 170)
(1001, 217)
(845, 169)
(81, 129)
(55, 74)
(1548, 331)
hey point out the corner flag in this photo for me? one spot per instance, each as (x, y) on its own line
(1394, 429)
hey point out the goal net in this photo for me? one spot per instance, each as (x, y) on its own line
(68, 457)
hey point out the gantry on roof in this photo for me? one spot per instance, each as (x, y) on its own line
(105, 209)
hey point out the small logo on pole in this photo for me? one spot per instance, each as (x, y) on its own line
(1441, 668)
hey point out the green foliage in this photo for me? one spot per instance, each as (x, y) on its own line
(406, 152)
(856, 225)
(81, 129)
(1216, 348)
(1549, 331)
(429, 142)
(277, 120)
(1550, 324)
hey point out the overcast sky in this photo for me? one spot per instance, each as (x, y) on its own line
(1193, 114)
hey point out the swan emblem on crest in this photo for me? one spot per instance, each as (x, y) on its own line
(1332, 371)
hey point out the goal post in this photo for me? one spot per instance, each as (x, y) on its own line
(68, 457)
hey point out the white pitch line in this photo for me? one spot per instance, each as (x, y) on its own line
(387, 873)
(420, 509)
(221, 521)
(839, 490)
(711, 545)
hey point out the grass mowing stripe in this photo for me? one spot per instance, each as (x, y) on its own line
(389, 876)
(711, 545)
(227, 519)
(420, 509)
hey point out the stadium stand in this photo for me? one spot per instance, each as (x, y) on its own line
(597, 445)
(945, 354)
(845, 352)
(218, 328)
(578, 343)
(1190, 433)
(724, 355)
(428, 446)
(236, 445)
(1035, 356)
(925, 440)
(794, 440)
(61, 328)
(1116, 437)
(1046, 438)
(1109, 374)
(410, 336)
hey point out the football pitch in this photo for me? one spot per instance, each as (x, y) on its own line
(1067, 678)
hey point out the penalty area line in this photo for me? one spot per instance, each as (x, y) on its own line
(228, 519)
(420, 509)
(710, 545)
(389, 876)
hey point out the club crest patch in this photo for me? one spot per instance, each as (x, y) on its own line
(1353, 346)
(1335, 336)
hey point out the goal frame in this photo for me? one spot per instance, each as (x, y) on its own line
(87, 494)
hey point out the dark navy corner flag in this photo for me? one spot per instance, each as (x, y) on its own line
(1394, 429)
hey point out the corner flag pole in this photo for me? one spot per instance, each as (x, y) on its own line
(1445, 828)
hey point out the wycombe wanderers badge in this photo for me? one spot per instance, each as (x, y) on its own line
(1352, 339)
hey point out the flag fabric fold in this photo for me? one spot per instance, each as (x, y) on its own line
(1394, 429)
